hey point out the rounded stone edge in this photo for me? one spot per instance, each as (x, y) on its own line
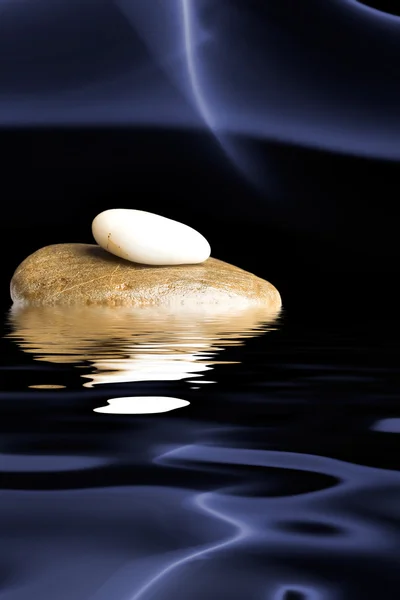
(273, 297)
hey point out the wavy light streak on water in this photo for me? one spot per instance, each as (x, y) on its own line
(241, 532)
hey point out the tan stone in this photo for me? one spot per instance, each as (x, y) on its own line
(85, 274)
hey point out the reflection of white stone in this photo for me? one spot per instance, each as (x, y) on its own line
(147, 367)
(125, 345)
(141, 405)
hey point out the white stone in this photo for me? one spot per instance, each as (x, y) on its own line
(149, 239)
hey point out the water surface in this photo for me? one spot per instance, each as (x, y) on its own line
(273, 475)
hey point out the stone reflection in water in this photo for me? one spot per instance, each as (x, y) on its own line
(139, 405)
(136, 344)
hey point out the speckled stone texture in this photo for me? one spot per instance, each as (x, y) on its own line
(86, 274)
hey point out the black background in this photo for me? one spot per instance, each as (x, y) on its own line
(331, 230)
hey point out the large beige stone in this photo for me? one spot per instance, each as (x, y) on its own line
(85, 274)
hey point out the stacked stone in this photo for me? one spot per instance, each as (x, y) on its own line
(140, 259)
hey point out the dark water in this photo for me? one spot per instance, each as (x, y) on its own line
(279, 481)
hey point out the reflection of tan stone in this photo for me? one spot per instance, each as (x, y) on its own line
(86, 274)
(135, 344)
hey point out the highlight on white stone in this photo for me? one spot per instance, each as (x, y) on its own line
(141, 405)
(149, 239)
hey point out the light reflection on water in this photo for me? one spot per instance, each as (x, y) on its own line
(137, 405)
(279, 481)
(130, 345)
